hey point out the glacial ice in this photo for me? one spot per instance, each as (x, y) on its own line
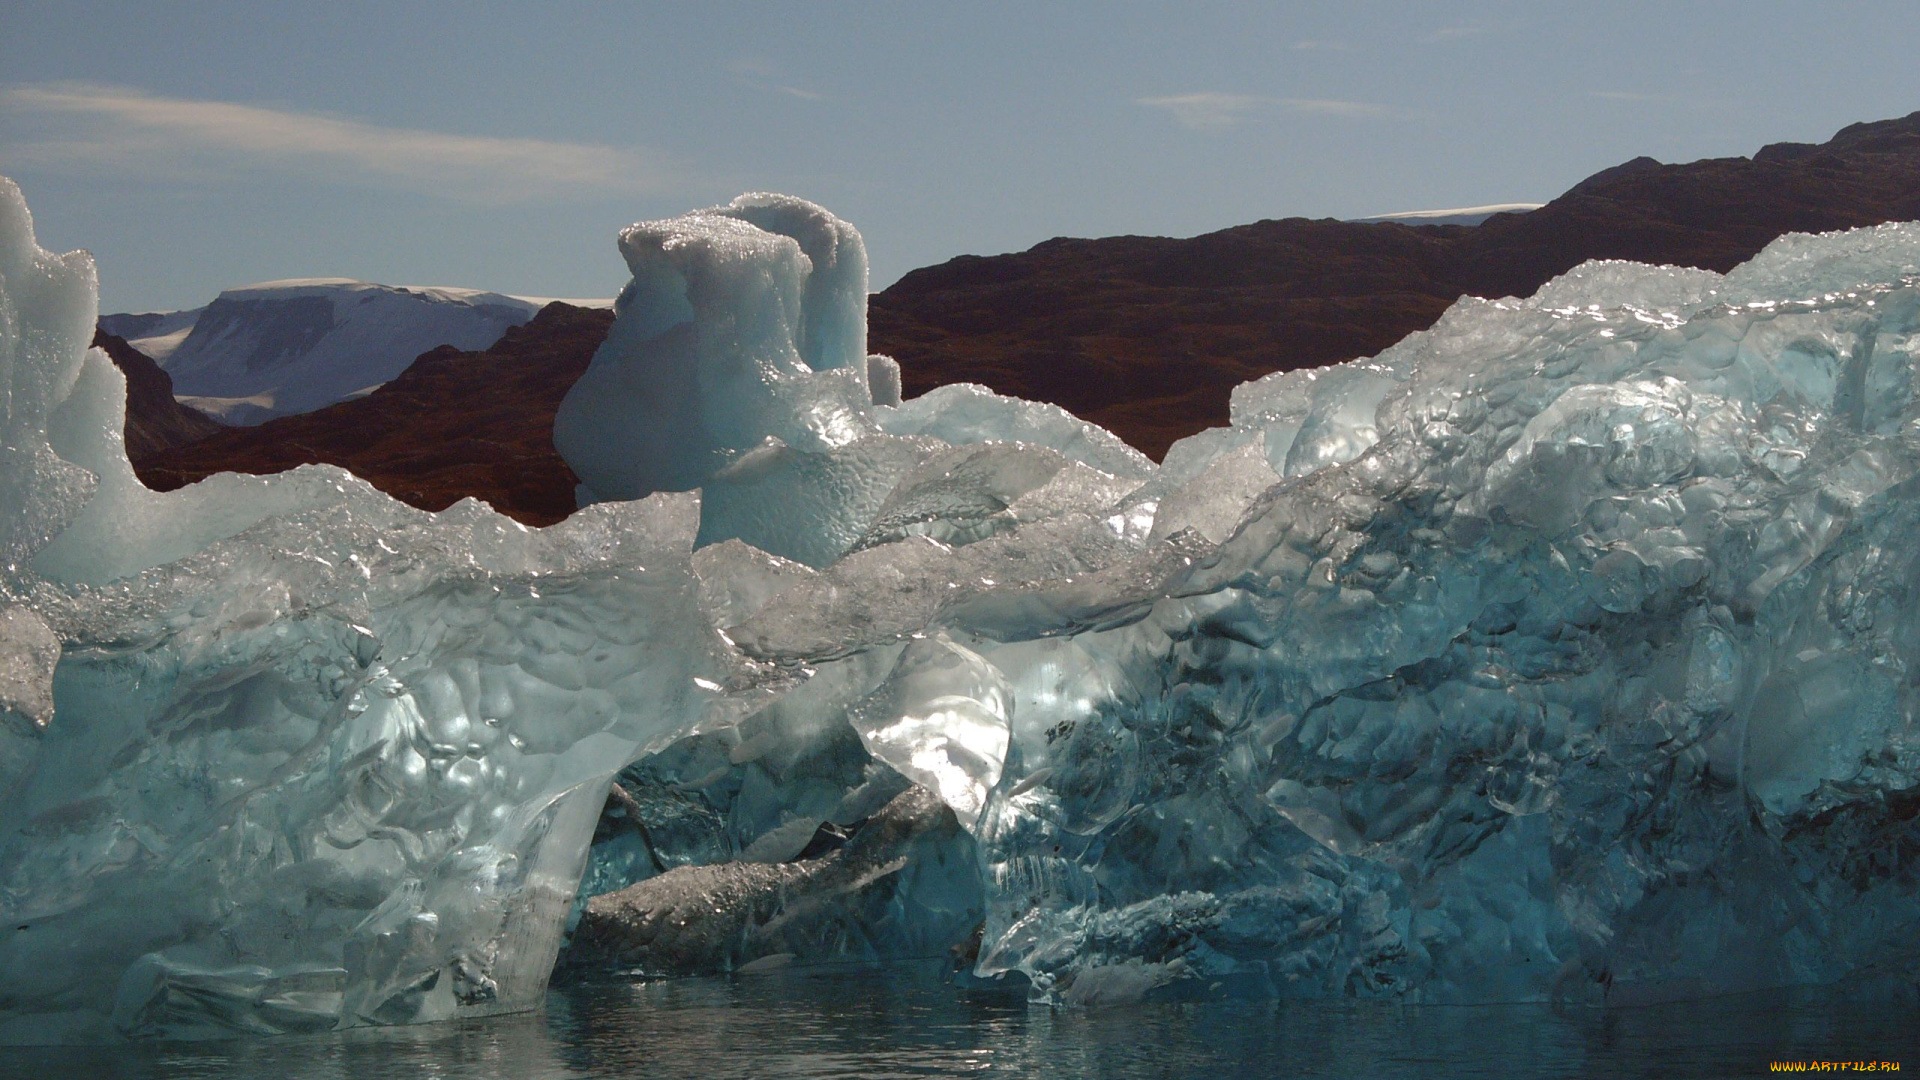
(1565, 651)
(308, 757)
(738, 366)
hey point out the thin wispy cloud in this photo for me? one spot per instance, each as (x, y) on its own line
(1206, 110)
(95, 126)
(1455, 33)
(1324, 107)
(1212, 111)
(1627, 95)
(1320, 46)
(762, 75)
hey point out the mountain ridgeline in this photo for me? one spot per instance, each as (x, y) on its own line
(1146, 336)
(453, 424)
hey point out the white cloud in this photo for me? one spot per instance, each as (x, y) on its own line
(760, 74)
(1333, 108)
(128, 128)
(1211, 111)
(1207, 110)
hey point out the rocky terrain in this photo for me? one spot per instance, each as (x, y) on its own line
(1146, 336)
(451, 425)
(155, 421)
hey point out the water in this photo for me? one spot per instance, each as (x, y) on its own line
(908, 1023)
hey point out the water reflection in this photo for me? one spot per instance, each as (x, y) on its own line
(908, 1023)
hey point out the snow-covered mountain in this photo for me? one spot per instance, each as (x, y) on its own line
(1460, 215)
(155, 333)
(282, 347)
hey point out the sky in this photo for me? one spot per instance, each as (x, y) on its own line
(195, 146)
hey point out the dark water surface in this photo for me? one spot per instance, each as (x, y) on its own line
(908, 1023)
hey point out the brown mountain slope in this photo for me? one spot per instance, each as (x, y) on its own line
(1147, 336)
(155, 421)
(451, 425)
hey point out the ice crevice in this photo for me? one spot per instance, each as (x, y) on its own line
(1564, 651)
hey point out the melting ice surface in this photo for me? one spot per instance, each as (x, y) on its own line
(1566, 651)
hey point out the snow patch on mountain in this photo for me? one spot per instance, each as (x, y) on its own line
(155, 333)
(282, 347)
(1461, 215)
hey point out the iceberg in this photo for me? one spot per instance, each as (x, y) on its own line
(1565, 651)
(282, 753)
(737, 365)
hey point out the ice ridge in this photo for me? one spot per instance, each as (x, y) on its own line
(1564, 651)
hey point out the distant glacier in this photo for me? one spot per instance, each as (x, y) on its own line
(283, 347)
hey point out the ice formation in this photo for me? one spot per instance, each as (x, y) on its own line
(738, 366)
(308, 757)
(1567, 650)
